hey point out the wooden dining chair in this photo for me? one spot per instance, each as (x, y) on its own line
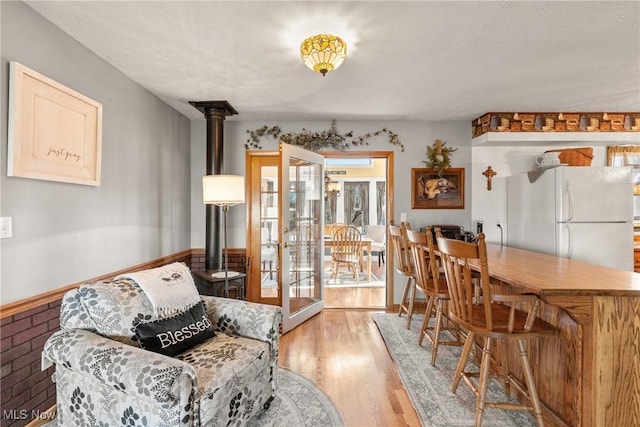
(490, 320)
(398, 236)
(329, 229)
(346, 250)
(434, 285)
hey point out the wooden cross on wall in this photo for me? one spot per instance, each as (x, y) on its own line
(489, 173)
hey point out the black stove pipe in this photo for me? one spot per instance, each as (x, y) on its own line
(215, 113)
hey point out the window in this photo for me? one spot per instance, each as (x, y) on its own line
(626, 155)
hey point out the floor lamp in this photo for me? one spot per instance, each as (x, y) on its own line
(224, 191)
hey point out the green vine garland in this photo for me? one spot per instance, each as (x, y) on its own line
(438, 156)
(330, 139)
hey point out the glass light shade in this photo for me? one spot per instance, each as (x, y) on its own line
(223, 190)
(333, 186)
(323, 52)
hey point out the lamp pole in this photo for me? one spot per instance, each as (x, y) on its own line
(225, 210)
(223, 191)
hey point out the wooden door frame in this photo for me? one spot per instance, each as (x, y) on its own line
(388, 155)
(253, 293)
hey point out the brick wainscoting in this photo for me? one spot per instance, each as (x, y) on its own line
(237, 260)
(26, 389)
(24, 328)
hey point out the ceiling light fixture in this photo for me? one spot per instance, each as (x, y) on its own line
(323, 52)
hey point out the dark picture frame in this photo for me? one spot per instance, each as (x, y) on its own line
(430, 191)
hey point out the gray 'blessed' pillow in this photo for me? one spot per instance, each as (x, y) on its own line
(176, 334)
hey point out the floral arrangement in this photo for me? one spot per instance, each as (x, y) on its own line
(438, 156)
(330, 139)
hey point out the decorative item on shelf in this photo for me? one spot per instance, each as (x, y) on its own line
(438, 156)
(323, 52)
(489, 173)
(617, 122)
(224, 191)
(527, 121)
(581, 156)
(331, 188)
(330, 139)
(556, 122)
(572, 122)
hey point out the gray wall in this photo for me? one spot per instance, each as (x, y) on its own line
(415, 136)
(65, 233)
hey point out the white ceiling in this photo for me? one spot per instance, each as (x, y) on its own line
(420, 60)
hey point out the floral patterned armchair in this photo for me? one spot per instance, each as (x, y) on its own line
(103, 377)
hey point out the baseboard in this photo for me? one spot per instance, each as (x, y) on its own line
(44, 417)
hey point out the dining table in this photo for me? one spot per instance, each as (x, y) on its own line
(588, 374)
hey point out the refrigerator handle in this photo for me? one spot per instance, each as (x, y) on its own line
(569, 202)
(570, 241)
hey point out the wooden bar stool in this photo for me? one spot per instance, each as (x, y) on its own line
(434, 285)
(490, 320)
(398, 236)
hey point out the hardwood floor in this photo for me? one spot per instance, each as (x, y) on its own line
(368, 298)
(344, 354)
(358, 297)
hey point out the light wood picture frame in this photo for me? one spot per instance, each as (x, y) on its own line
(430, 191)
(54, 132)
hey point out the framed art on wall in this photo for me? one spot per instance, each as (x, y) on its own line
(430, 191)
(54, 132)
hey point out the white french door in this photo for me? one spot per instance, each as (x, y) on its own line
(301, 234)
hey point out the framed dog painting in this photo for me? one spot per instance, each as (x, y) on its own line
(430, 191)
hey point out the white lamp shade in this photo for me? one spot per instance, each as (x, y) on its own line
(223, 190)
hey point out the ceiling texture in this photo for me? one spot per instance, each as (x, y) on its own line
(418, 60)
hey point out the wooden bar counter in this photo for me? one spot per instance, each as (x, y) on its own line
(589, 373)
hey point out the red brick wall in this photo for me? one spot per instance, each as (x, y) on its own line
(237, 260)
(26, 390)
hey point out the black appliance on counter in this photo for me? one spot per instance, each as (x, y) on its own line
(453, 232)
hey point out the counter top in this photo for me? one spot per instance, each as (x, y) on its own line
(550, 275)
(587, 374)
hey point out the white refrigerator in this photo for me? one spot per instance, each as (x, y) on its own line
(582, 213)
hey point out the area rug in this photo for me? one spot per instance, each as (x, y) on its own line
(298, 402)
(345, 279)
(429, 387)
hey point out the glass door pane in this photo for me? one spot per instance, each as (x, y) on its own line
(263, 228)
(301, 180)
(269, 217)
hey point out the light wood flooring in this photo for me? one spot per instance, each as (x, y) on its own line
(367, 298)
(358, 297)
(343, 353)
